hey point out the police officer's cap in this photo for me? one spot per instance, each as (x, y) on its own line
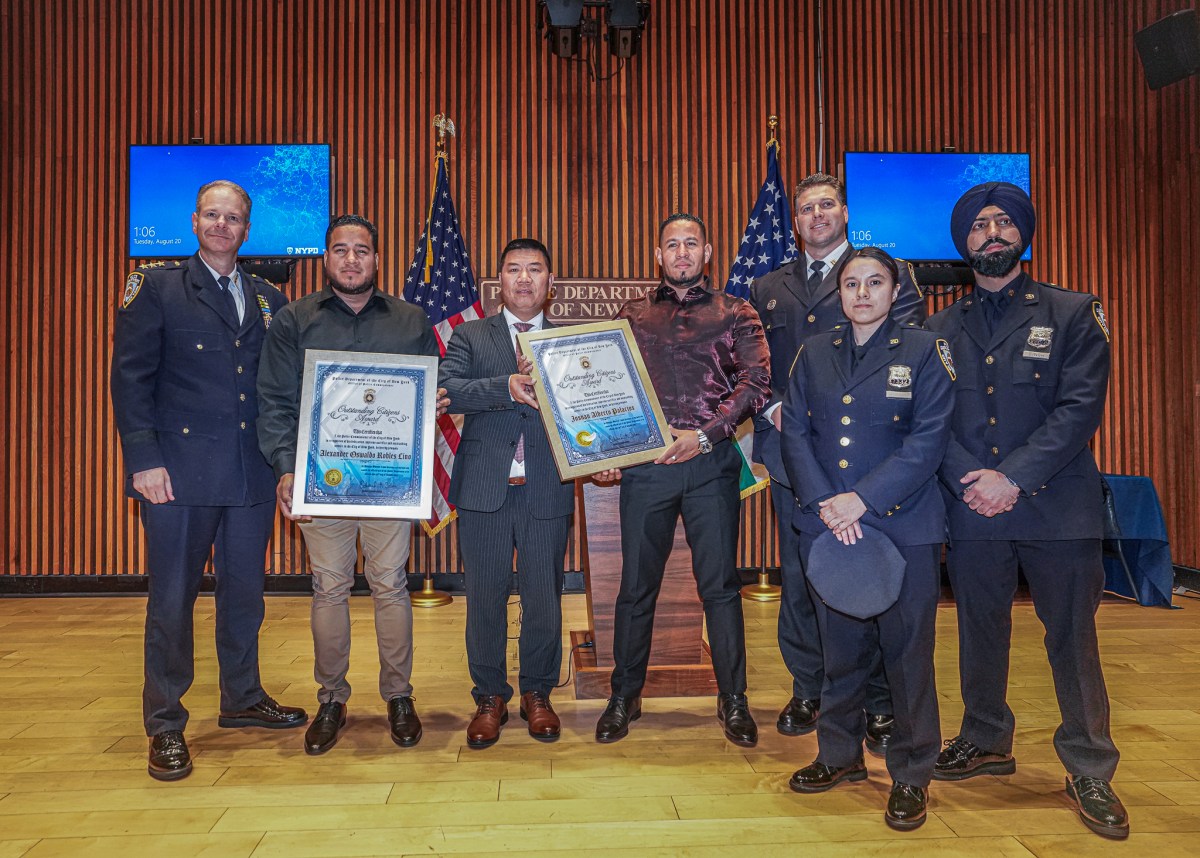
(863, 579)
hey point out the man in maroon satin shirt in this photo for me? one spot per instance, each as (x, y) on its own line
(708, 359)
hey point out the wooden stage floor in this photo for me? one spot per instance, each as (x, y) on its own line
(73, 775)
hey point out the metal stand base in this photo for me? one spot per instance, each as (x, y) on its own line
(763, 591)
(429, 597)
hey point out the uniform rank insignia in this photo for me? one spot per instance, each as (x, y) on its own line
(899, 382)
(1037, 345)
(943, 349)
(1101, 319)
(132, 286)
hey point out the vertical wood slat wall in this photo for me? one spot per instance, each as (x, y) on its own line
(589, 166)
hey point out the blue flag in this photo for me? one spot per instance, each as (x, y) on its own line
(767, 242)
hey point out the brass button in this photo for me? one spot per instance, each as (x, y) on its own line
(185, 430)
(199, 347)
(989, 360)
(243, 424)
(1037, 375)
(990, 390)
(847, 399)
(991, 421)
(995, 451)
(809, 413)
(768, 326)
(837, 342)
(895, 418)
(897, 506)
(845, 421)
(889, 512)
(239, 370)
(843, 464)
(237, 344)
(811, 318)
(845, 442)
(242, 397)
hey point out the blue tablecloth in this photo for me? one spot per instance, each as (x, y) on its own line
(1143, 543)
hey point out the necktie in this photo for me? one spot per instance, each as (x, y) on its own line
(815, 278)
(231, 309)
(994, 305)
(519, 456)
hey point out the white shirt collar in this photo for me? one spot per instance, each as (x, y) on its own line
(830, 260)
(510, 319)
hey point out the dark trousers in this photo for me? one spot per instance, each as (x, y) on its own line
(487, 540)
(799, 638)
(1066, 581)
(705, 491)
(905, 635)
(178, 542)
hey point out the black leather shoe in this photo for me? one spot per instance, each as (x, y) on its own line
(879, 731)
(265, 713)
(169, 757)
(1098, 806)
(733, 711)
(322, 734)
(614, 722)
(905, 807)
(962, 759)
(798, 717)
(818, 777)
(403, 722)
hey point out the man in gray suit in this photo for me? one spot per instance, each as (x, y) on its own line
(509, 496)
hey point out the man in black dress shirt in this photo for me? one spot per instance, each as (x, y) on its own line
(708, 361)
(350, 314)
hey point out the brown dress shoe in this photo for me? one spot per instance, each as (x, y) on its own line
(484, 729)
(267, 713)
(543, 722)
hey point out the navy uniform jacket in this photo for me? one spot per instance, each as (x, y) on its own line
(881, 433)
(479, 359)
(788, 321)
(183, 383)
(1030, 398)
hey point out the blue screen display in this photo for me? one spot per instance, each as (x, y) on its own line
(902, 201)
(288, 185)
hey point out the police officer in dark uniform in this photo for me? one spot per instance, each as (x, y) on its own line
(185, 361)
(1023, 489)
(797, 301)
(865, 426)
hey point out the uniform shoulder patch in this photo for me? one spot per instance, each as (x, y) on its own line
(943, 350)
(1101, 319)
(133, 285)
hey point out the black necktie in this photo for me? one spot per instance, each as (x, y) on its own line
(231, 309)
(994, 305)
(815, 278)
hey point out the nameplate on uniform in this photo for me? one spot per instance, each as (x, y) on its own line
(365, 446)
(899, 382)
(1037, 344)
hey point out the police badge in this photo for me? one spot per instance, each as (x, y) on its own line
(899, 382)
(1037, 345)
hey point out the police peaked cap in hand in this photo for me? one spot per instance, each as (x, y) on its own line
(1004, 195)
(863, 579)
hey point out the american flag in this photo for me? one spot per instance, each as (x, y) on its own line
(767, 242)
(440, 281)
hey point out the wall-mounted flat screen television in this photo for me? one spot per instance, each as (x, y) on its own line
(288, 184)
(901, 201)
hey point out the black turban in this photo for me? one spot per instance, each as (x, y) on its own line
(1004, 195)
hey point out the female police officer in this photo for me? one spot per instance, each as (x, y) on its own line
(865, 426)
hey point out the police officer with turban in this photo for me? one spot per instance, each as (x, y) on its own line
(1024, 490)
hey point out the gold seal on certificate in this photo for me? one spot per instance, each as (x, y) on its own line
(365, 446)
(597, 402)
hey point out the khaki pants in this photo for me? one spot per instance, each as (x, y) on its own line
(332, 552)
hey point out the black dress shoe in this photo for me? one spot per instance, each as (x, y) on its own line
(818, 777)
(962, 759)
(1099, 807)
(879, 731)
(733, 711)
(614, 722)
(322, 734)
(403, 722)
(169, 757)
(798, 717)
(265, 713)
(905, 807)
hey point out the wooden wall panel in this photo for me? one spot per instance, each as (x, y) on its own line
(590, 166)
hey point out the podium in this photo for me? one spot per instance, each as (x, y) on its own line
(680, 664)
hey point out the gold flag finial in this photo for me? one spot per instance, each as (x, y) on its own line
(772, 123)
(444, 125)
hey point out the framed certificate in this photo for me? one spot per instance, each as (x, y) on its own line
(598, 405)
(365, 446)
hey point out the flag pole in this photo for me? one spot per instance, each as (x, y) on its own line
(763, 590)
(428, 597)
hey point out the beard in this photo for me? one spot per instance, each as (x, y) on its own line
(999, 263)
(686, 283)
(353, 290)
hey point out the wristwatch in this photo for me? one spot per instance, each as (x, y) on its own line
(705, 444)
